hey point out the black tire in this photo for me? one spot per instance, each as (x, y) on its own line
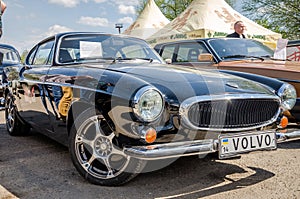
(14, 125)
(95, 152)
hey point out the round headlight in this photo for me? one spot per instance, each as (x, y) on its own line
(288, 96)
(148, 104)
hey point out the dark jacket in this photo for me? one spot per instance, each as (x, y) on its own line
(236, 35)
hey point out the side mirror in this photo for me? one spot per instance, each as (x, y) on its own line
(168, 61)
(205, 57)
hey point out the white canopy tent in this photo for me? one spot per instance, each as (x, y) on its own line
(210, 18)
(148, 22)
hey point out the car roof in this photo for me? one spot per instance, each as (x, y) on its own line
(194, 40)
(101, 33)
(8, 46)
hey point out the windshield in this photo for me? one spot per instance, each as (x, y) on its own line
(9, 56)
(239, 48)
(100, 47)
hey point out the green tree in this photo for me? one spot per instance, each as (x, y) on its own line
(280, 16)
(171, 8)
(23, 56)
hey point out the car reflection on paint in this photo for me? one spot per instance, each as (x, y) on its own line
(9, 56)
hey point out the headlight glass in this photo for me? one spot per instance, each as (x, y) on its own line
(288, 96)
(148, 104)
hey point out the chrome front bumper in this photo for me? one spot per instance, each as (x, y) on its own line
(289, 135)
(180, 149)
(172, 150)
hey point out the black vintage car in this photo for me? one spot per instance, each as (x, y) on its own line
(116, 105)
(9, 56)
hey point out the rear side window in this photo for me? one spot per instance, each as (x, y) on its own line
(9, 55)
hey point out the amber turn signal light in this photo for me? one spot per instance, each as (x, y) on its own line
(284, 122)
(150, 135)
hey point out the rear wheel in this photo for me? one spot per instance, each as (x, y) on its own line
(14, 125)
(96, 154)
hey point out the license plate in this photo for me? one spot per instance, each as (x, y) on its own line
(235, 144)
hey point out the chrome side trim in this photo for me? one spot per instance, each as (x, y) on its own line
(186, 105)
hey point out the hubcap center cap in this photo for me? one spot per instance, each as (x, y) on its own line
(103, 146)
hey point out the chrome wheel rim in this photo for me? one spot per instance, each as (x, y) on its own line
(10, 116)
(96, 150)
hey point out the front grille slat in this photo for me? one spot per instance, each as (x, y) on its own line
(233, 113)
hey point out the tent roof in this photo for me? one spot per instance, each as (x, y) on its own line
(215, 16)
(148, 22)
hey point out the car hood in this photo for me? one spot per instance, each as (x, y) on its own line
(185, 81)
(272, 68)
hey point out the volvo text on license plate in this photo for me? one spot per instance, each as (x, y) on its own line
(232, 145)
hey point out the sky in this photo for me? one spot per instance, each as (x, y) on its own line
(26, 22)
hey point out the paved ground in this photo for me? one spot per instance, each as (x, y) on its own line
(37, 167)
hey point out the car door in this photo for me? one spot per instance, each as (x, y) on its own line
(31, 101)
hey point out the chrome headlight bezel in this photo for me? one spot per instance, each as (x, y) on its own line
(148, 104)
(288, 96)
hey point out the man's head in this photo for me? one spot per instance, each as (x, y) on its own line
(239, 27)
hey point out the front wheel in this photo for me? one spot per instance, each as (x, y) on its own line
(96, 154)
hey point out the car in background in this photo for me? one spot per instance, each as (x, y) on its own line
(234, 54)
(293, 50)
(9, 56)
(116, 105)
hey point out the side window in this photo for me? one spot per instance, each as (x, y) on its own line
(10, 56)
(168, 52)
(44, 54)
(189, 52)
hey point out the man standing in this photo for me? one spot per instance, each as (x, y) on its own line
(239, 29)
(3, 7)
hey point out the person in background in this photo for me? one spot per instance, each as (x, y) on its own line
(3, 8)
(239, 29)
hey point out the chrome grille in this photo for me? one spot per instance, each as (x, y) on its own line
(230, 113)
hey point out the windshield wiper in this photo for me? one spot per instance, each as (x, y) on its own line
(86, 59)
(127, 59)
(243, 56)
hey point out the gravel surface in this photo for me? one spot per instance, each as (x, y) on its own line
(34, 166)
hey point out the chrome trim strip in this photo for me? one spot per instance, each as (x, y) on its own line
(291, 134)
(172, 150)
(186, 105)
